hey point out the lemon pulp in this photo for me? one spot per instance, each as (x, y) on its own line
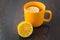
(25, 29)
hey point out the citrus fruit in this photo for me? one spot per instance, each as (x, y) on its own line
(33, 9)
(25, 29)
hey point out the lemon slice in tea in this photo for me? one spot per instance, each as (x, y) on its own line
(33, 9)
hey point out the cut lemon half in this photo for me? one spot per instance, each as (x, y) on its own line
(25, 29)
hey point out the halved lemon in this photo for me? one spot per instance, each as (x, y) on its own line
(25, 29)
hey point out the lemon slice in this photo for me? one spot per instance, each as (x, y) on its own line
(33, 9)
(25, 29)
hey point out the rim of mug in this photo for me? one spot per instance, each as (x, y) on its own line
(34, 5)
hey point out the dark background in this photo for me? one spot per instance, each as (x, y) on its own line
(11, 13)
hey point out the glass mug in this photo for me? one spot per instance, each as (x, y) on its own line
(36, 19)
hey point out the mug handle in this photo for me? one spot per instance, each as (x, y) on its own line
(49, 12)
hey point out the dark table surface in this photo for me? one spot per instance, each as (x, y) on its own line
(11, 13)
